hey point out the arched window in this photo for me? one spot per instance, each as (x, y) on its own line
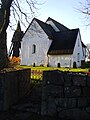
(34, 48)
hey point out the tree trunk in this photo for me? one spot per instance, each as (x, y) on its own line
(3, 46)
(3, 51)
(4, 22)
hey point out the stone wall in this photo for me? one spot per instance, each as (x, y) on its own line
(66, 95)
(13, 86)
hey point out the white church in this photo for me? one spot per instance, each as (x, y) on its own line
(52, 44)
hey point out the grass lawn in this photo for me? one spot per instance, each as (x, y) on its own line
(37, 72)
(52, 68)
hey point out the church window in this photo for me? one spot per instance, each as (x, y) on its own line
(33, 49)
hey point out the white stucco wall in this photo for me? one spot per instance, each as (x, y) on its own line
(64, 60)
(35, 36)
(78, 50)
(84, 53)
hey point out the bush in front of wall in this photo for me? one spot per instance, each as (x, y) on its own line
(87, 64)
(83, 66)
(13, 61)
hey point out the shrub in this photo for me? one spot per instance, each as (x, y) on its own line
(87, 64)
(14, 60)
(83, 64)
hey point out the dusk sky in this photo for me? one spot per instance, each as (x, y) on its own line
(66, 13)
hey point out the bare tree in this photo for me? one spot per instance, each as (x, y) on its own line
(85, 9)
(14, 9)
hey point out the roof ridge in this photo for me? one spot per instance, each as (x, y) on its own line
(56, 22)
(74, 29)
(40, 21)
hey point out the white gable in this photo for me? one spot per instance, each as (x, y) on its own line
(33, 30)
(78, 53)
(35, 36)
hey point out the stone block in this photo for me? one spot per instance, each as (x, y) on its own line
(88, 110)
(69, 99)
(44, 93)
(88, 80)
(74, 114)
(79, 80)
(53, 77)
(59, 109)
(82, 102)
(1, 105)
(72, 91)
(88, 101)
(1, 93)
(66, 102)
(67, 79)
(14, 85)
(55, 91)
(44, 108)
(86, 91)
(51, 107)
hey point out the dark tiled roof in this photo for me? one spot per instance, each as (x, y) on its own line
(63, 42)
(47, 28)
(58, 25)
(83, 44)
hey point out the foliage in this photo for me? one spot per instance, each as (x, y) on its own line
(14, 61)
(87, 65)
